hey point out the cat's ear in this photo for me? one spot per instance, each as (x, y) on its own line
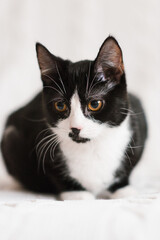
(109, 61)
(45, 59)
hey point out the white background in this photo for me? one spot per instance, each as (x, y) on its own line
(75, 30)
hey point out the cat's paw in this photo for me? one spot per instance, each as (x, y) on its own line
(76, 195)
(104, 195)
(124, 192)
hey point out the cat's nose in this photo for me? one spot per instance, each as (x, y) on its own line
(75, 131)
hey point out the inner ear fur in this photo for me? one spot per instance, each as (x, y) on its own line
(109, 60)
(46, 60)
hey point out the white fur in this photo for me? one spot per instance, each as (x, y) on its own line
(93, 163)
(76, 195)
(126, 192)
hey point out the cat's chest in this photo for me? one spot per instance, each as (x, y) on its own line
(93, 164)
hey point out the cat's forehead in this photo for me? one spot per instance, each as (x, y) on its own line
(79, 75)
(79, 72)
(86, 81)
(80, 68)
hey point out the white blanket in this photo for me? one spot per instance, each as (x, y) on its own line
(27, 216)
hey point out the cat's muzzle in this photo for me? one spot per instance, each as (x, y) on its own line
(76, 138)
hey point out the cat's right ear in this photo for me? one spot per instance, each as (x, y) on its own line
(109, 61)
(46, 60)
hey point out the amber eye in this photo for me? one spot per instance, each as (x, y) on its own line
(95, 105)
(60, 106)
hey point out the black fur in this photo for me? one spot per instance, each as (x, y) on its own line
(25, 127)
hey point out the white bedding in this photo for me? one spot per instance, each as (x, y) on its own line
(27, 216)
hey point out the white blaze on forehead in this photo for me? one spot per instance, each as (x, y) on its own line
(76, 116)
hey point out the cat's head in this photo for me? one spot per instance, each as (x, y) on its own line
(81, 99)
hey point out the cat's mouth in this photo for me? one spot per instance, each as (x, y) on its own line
(78, 139)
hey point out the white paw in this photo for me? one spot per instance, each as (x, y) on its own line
(76, 195)
(125, 192)
(104, 195)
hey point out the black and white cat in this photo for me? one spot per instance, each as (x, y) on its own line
(83, 134)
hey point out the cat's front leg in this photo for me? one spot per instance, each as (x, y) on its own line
(76, 195)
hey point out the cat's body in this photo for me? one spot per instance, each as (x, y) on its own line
(83, 132)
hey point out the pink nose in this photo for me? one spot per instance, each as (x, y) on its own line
(77, 127)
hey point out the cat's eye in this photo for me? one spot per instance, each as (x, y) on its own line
(95, 105)
(60, 106)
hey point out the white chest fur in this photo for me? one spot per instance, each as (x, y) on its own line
(94, 163)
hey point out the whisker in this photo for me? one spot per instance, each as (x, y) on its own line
(40, 154)
(53, 149)
(60, 78)
(126, 154)
(44, 156)
(46, 129)
(127, 109)
(131, 112)
(133, 141)
(88, 77)
(53, 89)
(54, 82)
(92, 83)
(94, 86)
(42, 149)
(42, 141)
(136, 146)
(131, 148)
(55, 140)
(124, 113)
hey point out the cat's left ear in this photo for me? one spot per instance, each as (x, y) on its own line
(46, 60)
(109, 61)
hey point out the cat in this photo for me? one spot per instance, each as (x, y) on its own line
(83, 134)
